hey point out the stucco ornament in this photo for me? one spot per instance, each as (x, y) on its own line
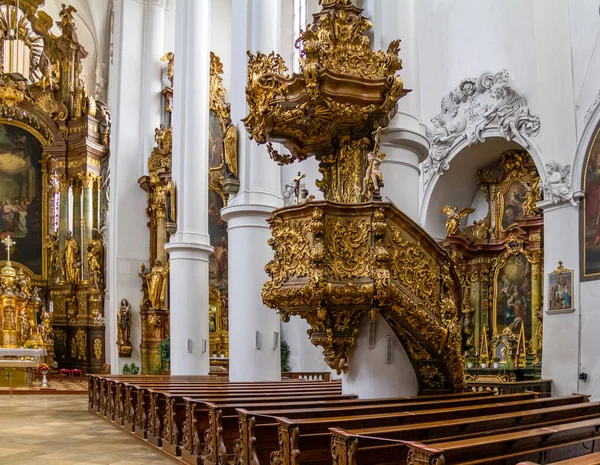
(490, 101)
(557, 186)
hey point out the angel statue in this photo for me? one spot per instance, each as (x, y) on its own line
(454, 218)
(557, 186)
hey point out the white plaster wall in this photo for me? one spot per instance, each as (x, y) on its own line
(220, 37)
(128, 236)
(304, 356)
(369, 375)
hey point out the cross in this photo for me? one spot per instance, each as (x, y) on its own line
(8, 242)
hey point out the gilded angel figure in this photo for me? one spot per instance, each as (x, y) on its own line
(454, 218)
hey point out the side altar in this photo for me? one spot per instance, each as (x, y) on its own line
(54, 141)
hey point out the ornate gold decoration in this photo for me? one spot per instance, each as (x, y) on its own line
(95, 260)
(156, 280)
(333, 109)
(160, 158)
(222, 178)
(71, 260)
(335, 263)
(78, 345)
(98, 348)
(512, 227)
(454, 218)
(170, 59)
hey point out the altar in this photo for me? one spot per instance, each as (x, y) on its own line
(18, 366)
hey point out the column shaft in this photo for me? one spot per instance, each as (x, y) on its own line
(63, 218)
(189, 248)
(256, 26)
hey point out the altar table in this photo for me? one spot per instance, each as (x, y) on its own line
(20, 364)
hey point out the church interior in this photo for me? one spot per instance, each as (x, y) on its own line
(348, 232)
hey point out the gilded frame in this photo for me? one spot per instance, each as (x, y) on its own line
(45, 143)
(499, 265)
(585, 276)
(559, 272)
(506, 184)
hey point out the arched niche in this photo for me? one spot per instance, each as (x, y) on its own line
(459, 184)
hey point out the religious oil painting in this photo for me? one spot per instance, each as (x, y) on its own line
(513, 294)
(21, 196)
(513, 200)
(560, 290)
(591, 212)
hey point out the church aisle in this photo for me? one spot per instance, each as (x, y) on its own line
(58, 430)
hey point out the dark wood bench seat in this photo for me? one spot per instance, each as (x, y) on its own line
(268, 430)
(372, 446)
(220, 422)
(587, 459)
(498, 448)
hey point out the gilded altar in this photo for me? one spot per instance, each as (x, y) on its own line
(351, 255)
(499, 257)
(54, 142)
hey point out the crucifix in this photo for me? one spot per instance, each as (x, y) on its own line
(296, 181)
(8, 242)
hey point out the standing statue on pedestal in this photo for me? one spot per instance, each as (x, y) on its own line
(24, 326)
(124, 329)
(95, 252)
(157, 284)
(71, 260)
(52, 247)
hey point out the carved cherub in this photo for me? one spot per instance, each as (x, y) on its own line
(454, 218)
(557, 186)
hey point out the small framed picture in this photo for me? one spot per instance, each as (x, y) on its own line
(560, 289)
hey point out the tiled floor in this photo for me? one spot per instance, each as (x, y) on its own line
(58, 430)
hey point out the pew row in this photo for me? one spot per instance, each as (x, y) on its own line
(265, 435)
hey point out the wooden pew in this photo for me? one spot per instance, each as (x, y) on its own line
(587, 459)
(499, 448)
(127, 398)
(114, 386)
(170, 406)
(267, 431)
(383, 445)
(219, 420)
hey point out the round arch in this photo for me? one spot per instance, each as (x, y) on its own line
(459, 181)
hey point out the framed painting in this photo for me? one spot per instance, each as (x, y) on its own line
(512, 203)
(513, 293)
(591, 213)
(560, 290)
(21, 211)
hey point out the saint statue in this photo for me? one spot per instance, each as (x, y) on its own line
(71, 259)
(52, 247)
(95, 252)
(124, 327)
(230, 147)
(24, 326)
(157, 284)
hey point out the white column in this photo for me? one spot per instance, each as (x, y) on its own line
(405, 150)
(189, 248)
(256, 26)
(151, 85)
